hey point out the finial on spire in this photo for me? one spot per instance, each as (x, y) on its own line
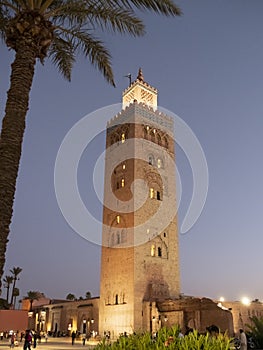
(140, 75)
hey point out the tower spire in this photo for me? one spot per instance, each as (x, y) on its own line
(140, 91)
(140, 75)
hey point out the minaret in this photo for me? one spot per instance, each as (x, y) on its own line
(140, 260)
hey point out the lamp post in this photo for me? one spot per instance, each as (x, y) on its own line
(84, 326)
(91, 330)
(90, 322)
(30, 315)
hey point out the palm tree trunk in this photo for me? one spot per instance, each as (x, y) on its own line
(7, 292)
(11, 137)
(31, 304)
(12, 295)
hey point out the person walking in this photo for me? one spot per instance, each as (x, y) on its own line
(35, 339)
(243, 340)
(12, 340)
(73, 337)
(28, 340)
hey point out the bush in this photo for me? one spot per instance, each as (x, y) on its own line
(256, 331)
(144, 341)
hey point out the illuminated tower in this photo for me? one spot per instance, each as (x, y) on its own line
(140, 260)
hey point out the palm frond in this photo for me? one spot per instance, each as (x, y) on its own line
(16, 5)
(164, 7)
(97, 15)
(3, 22)
(98, 55)
(92, 48)
(68, 13)
(115, 18)
(62, 55)
(7, 8)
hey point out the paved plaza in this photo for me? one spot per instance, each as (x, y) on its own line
(53, 344)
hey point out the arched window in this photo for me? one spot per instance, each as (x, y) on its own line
(116, 299)
(153, 250)
(123, 236)
(159, 251)
(165, 142)
(112, 239)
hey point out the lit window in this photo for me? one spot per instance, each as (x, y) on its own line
(147, 127)
(148, 230)
(151, 193)
(122, 183)
(152, 250)
(159, 163)
(123, 166)
(154, 131)
(122, 138)
(118, 219)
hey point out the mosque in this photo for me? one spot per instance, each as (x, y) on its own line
(140, 276)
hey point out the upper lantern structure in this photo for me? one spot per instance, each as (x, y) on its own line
(141, 92)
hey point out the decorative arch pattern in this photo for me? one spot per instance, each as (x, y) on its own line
(155, 135)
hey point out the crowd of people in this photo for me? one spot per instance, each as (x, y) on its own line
(30, 338)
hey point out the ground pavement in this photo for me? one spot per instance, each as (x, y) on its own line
(53, 344)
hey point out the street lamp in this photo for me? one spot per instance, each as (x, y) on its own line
(91, 328)
(84, 326)
(245, 301)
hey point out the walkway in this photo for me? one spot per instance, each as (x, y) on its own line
(53, 344)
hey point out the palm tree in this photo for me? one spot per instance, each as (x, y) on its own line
(15, 272)
(71, 297)
(8, 280)
(58, 29)
(88, 295)
(256, 331)
(31, 296)
(16, 294)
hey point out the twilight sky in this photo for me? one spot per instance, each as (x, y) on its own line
(208, 69)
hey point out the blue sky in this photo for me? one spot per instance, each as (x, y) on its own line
(207, 67)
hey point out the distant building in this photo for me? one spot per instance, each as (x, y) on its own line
(242, 313)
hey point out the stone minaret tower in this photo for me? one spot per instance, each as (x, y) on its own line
(140, 260)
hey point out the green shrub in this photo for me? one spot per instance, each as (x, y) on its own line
(256, 331)
(144, 341)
